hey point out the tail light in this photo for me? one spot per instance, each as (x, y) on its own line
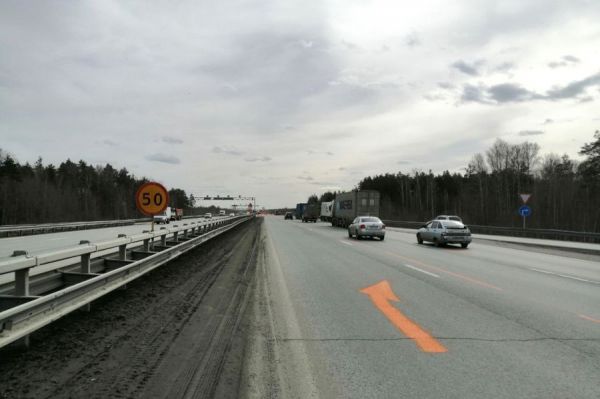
(362, 227)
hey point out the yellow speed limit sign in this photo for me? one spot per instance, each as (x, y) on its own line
(152, 198)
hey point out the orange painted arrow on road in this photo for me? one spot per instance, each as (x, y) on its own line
(381, 294)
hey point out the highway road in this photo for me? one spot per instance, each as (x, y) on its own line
(46, 242)
(340, 317)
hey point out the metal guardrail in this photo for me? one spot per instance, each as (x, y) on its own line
(22, 313)
(548, 234)
(32, 229)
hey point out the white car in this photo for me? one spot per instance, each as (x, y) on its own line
(367, 226)
(232, 214)
(208, 215)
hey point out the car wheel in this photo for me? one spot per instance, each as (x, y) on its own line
(382, 238)
(419, 239)
(349, 234)
(464, 244)
(436, 242)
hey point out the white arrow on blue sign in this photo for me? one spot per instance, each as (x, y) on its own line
(525, 211)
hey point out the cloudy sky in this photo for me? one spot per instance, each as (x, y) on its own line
(281, 99)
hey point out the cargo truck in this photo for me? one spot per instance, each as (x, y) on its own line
(164, 217)
(349, 205)
(311, 213)
(326, 211)
(177, 214)
(299, 210)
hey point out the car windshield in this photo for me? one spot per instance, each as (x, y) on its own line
(455, 218)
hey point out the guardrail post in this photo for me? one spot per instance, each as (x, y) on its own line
(175, 234)
(163, 238)
(122, 248)
(86, 264)
(21, 277)
(147, 241)
(22, 288)
(185, 232)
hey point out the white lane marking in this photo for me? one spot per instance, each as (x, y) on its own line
(421, 270)
(564, 275)
(56, 239)
(345, 242)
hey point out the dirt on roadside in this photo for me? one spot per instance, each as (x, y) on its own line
(177, 332)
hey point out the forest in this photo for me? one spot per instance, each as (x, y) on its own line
(70, 192)
(565, 194)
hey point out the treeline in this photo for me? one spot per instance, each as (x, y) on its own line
(70, 192)
(565, 194)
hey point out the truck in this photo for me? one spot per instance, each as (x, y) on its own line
(176, 214)
(164, 217)
(222, 212)
(311, 213)
(349, 205)
(326, 211)
(299, 210)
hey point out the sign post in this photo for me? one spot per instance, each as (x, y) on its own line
(524, 211)
(151, 199)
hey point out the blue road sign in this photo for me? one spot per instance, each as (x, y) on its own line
(525, 211)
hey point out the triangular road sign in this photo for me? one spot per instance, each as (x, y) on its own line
(525, 197)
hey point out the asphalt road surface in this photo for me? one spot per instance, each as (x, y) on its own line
(394, 319)
(284, 309)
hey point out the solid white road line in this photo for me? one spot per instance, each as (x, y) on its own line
(564, 276)
(345, 242)
(422, 271)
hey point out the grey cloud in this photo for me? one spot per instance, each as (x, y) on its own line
(508, 92)
(404, 162)
(505, 67)
(473, 94)
(109, 143)
(571, 58)
(258, 159)
(164, 158)
(566, 60)
(574, 89)
(464, 67)
(548, 121)
(446, 85)
(530, 132)
(306, 178)
(227, 150)
(172, 140)
(412, 39)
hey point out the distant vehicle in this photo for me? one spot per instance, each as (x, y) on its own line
(349, 205)
(164, 217)
(442, 232)
(311, 213)
(222, 212)
(367, 226)
(299, 210)
(176, 214)
(448, 217)
(208, 215)
(326, 211)
(232, 214)
(288, 215)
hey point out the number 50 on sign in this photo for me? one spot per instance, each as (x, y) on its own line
(152, 198)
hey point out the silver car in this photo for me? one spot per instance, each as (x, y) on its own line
(367, 226)
(442, 232)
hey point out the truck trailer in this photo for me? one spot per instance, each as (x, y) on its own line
(326, 211)
(349, 205)
(299, 210)
(311, 213)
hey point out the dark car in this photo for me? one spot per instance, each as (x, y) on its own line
(288, 215)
